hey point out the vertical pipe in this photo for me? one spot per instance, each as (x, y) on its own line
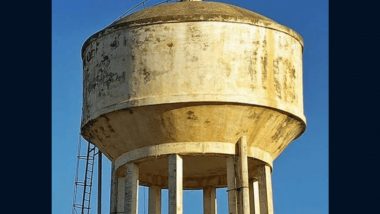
(209, 200)
(265, 189)
(175, 184)
(231, 185)
(131, 189)
(243, 176)
(154, 200)
(99, 182)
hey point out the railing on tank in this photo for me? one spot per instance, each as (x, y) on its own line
(142, 5)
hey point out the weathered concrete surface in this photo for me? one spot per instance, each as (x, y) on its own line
(131, 189)
(120, 194)
(232, 185)
(190, 79)
(264, 177)
(154, 206)
(209, 200)
(175, 184)
(243, 176)
(254, 196)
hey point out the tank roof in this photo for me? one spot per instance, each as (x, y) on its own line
(189, 11)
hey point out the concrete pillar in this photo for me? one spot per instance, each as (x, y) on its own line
(209, 200)
(254, 196)
(120, 194)
(264, 178)
(242, 177)
(231, 185)
(154, 200)
(175, 184)
(131, 189)
(113, 200)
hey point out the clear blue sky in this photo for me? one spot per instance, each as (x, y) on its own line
(300, 176)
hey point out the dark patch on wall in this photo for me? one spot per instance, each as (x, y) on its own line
(276, 72)
(146, 75)
(280, 129)
(170, 45)
(90, 55)
(194, 59)
(252, 69)
(289, 78)
(101, 77)
(191, 115)
(205, 46)
(253, 115)
(105, 61)
(114, 43)
(264, 62)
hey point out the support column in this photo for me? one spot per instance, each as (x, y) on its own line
(209, 200)
(113, 200)
(254, 196)
(131, 189)
(120, 194)
(242, 177)
(175, 184)
(154, 200)
(231, 185)
(265, 189)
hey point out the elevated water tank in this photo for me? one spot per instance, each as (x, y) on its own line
(191, 78)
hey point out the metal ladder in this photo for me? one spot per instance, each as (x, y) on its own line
(83, 186)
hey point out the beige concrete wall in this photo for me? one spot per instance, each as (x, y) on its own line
(193, 62)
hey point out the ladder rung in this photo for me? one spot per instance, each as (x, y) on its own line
(80, 184)
(82, 156)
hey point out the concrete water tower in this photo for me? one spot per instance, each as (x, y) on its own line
(193, 95)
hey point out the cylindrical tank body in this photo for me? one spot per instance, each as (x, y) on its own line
(192, 78)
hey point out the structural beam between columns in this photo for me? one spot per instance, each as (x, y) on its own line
(175, 184)
(254, 196)
(209, 200)
(131, 189)
(265, 189)
(154, 200)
